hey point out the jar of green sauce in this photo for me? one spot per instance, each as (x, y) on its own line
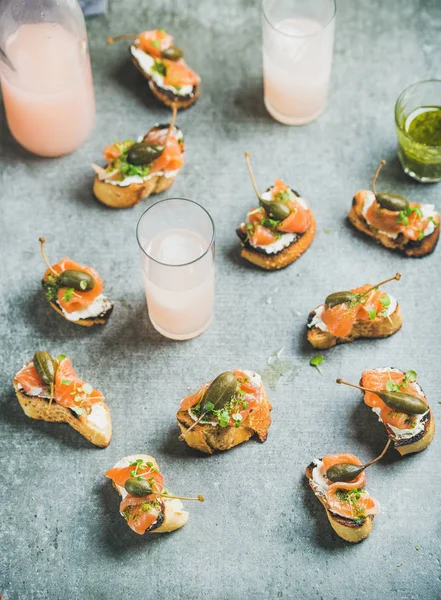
(418, 124)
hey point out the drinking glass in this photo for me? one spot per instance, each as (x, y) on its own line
(45, 75)
(419, 148)
(298, 41)
(176, 238)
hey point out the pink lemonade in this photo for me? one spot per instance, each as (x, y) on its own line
(49, 99)
(297, 61)
(180, 292)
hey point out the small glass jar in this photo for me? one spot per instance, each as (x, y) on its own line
(418, 125)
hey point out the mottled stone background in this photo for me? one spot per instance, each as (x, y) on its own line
(261, 534)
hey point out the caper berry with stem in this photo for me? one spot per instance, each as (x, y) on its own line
(139, 487)
(277, 210)
(346, 472)
(398, 401)
(388, 200)
(349, 297)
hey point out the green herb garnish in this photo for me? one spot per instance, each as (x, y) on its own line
(68, 294)
(159, 67)
(316, 361)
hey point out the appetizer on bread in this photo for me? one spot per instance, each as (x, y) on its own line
(280, 230)
(169, 77)
(137, 169)
(399, 402)
(392, 220)
(75, 292)
(364, 312)
(146, 505)
(349, 507)
(225, 412)
(48, 389)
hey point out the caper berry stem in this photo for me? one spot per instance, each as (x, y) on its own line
(182, 436)
(200, 497)
(250, 170)
(377, 172)
(172, 123)
(358, 387)
(371, 462)
(42, 240)
(396, 277)
(51, 397)
(117, 38)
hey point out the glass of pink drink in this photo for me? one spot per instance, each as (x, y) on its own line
(176, 238)
(298, 41)
(48, 91)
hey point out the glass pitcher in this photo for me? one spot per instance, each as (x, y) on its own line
(45, 75)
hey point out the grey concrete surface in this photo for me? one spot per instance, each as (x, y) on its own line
(261, 534)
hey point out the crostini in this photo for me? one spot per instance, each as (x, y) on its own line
(363, 312)
(137, 169)
(48, 389)
(169, 77)
(349, 508)
(396, 223)
(400, 405)
(225, 412)
(280, 230)
(146, 505)
(75, 292)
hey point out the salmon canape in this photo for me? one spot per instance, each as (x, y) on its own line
(169, 77)
(364, 312)
(75, 292)
(279, 230)
(349, 507)
(146, 505)
(48, 389)
(396, 223)
(399, 402)
(225, 412)
(137, 169)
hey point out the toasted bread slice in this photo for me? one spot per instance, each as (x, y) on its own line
(166, 96)
(419, 441)
(173, 515)
(380, 327)
(280, 260)
(401, 243)
(98, 432)
(210, 438)
(348, 529)
(89, 321)
(117, 196)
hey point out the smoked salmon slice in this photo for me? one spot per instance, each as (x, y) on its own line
(350, 502)
(340, 319)
(171, 159)
(155, 42)
(298, 221)
(378, 380)
(262, 236)
(69, 390)
(121, 474)
(333, 459)
(177, 73)
(76, 300)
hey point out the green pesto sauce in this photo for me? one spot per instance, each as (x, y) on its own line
(425, 127)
